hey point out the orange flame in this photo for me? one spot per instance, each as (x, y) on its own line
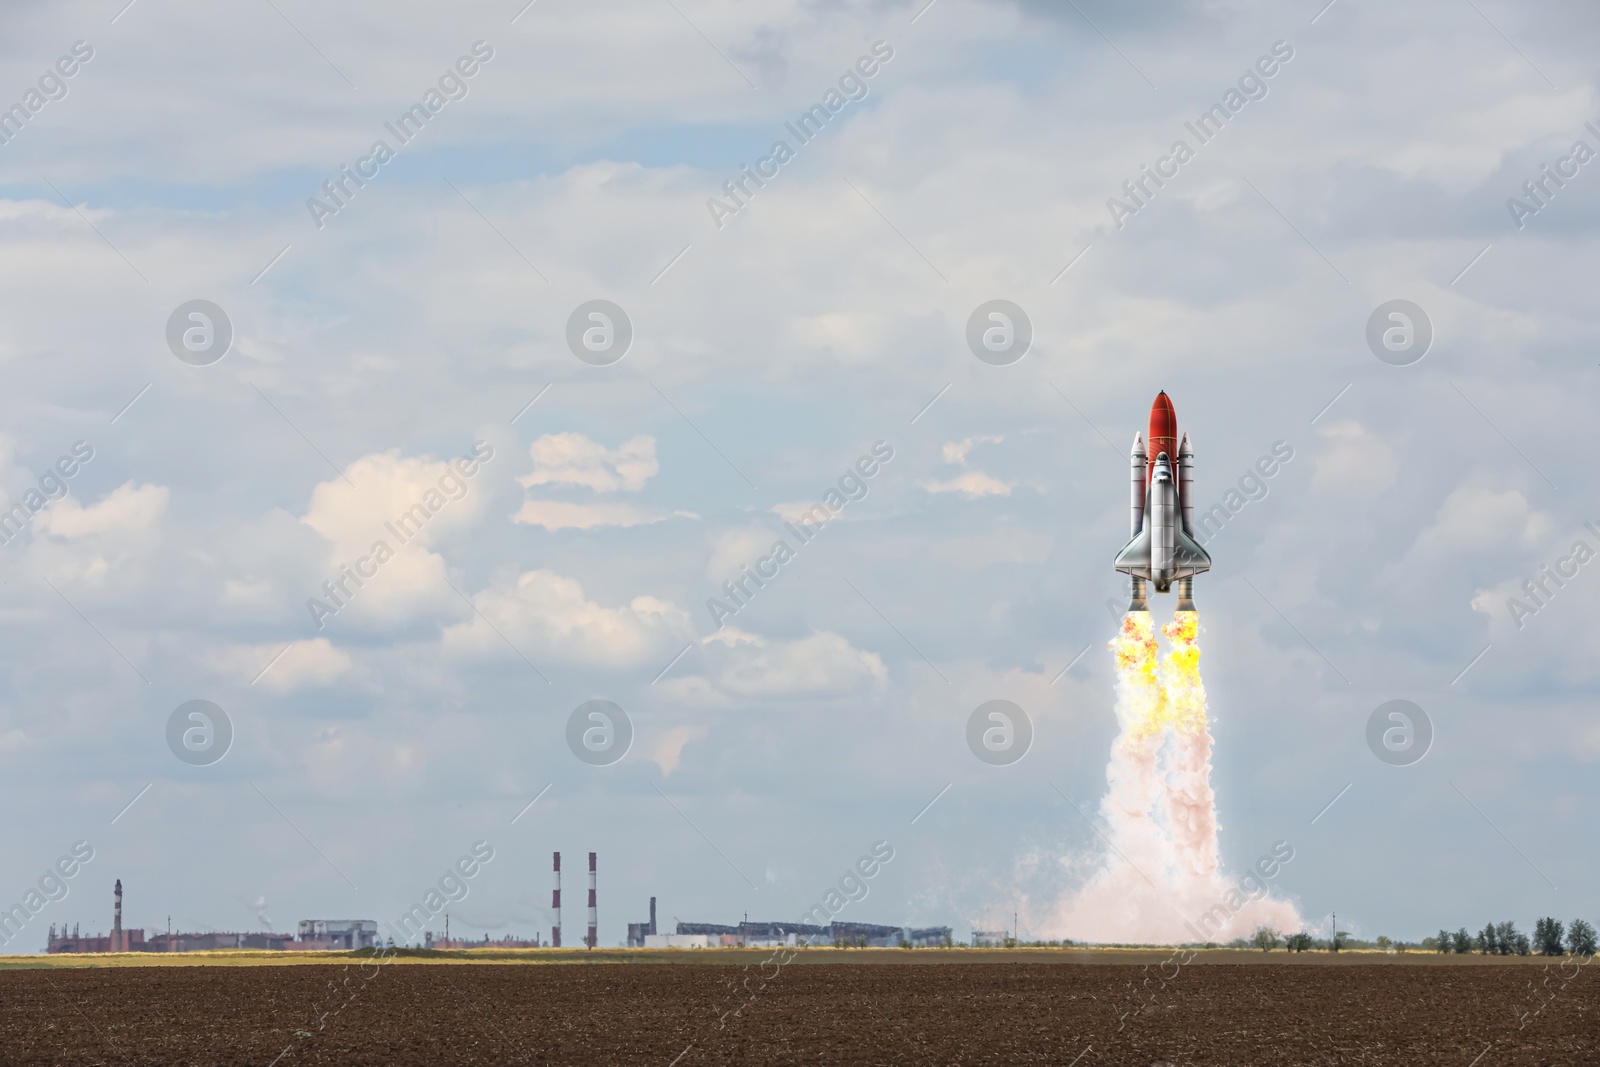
(1143, 701)
(1180, 675)
(1165, 694)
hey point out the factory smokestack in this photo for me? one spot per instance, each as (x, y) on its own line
(652, 915)
(593, 938)
(116, 920)
(555, 905)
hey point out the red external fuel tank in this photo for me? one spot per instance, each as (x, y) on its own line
(1163, 435)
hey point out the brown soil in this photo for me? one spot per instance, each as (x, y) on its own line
(953, 1013)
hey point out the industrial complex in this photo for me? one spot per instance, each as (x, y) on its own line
(314, 935)
(770, 934)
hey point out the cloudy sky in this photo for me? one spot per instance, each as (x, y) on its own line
(390, 336)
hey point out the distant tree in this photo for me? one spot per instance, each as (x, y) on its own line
(1384, 943)
(1488, 944)
(1298, 942)
(1442, 942)
(1340, 938)
(1509, 940)
(1461, 942)
(1266, 938)
(1513, 942)
(1547, 935)
(1580, 938)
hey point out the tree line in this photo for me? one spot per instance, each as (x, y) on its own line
(1550, 938)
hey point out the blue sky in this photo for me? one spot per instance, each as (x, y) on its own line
(768, 355)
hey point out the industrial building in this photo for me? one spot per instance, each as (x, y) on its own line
(680, 941)
(429, 941)
(637, 932)
(313, 935)
(337, 933)
(771, 934)
(118, 941)
(212, 942)
(929, 937)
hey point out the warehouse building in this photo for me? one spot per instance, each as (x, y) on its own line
(637, 932)
(336, 934)
(769, 934)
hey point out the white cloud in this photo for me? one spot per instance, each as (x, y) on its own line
(734, 549)
(747, 666)
(807, 513)
(128, 509)
(1004, 543)
(823, 664)
(406, 503)
(109, 544)
(545, 615)
(972, 484)
(1478, 518)
(956, 451)
(1358, 465)
(850, 336)
(346, 759)
(387, 487)
(306, 664)
(257, 595)
(665, 749)
(565, 515)
(573, 459)
(1562, 576)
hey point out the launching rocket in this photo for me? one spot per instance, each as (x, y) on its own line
(1162, 549)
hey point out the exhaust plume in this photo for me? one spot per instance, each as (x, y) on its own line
(1160, 880)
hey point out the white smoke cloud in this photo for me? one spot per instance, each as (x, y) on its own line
(1160, 879)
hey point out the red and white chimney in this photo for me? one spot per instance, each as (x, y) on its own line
(555, 905)
(593, 939)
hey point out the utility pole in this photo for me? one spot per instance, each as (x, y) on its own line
(447, 926)
(1333, 943)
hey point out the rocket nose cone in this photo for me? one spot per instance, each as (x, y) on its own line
(1163, 426)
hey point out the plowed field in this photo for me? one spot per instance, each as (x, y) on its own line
(658, 1015)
